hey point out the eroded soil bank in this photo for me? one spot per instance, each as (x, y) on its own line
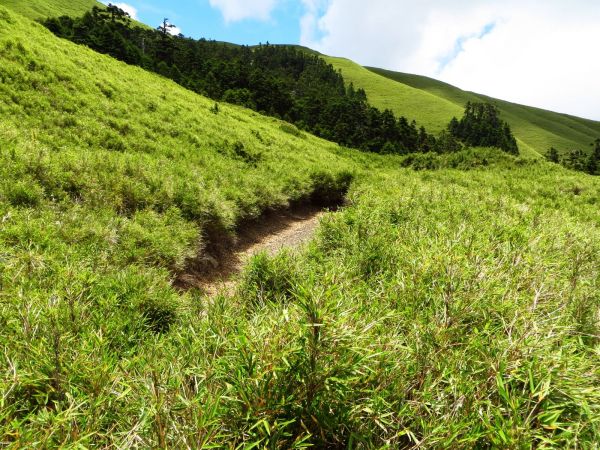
(222, 259)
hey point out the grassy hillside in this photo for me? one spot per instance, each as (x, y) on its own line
(453, 303)
(433, 103)
(125, 114)
(111, 178)
(428, 109)
(430, 102)
(41, 9)
(539, 128)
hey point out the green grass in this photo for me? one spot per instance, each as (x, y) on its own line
(433, 103)
(429, 111)
(41, 9)
(446, 309)
(454, 303)
(536, 128)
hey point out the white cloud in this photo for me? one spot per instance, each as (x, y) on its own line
(175, 31)
(237, 10)
(531, 52)
(172, 29)
(309, 23)
(127, 8)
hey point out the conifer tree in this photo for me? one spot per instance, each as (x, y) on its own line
(552, 155)
(481, 126)
(593, 164)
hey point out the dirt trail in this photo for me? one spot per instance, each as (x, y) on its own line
(275, 231)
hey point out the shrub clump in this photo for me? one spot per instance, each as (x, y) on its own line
(26, 194)
(330, 189)
(269, 279)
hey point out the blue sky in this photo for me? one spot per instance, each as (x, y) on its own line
(198, 18)
(526, 51)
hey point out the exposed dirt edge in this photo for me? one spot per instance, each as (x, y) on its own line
(224, 255)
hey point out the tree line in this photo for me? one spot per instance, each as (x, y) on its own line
(282, 81)
(578, 159)
(481, 126)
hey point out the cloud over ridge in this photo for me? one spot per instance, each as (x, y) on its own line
(237, 10)
(132, 11)
(537, 53)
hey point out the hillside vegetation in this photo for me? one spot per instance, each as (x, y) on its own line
(42, 9)
(535, 127)
(433, 103)
(453, 303)
(430, 102)
(433, 113)
(280, 81)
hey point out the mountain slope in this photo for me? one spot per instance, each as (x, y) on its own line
(433, 103)
(41, 9)
(453, 306)
(126, 113)
(538, 127)
(430, 102)
(428, 109)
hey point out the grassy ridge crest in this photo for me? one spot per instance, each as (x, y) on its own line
(537, 128)
(433, 103)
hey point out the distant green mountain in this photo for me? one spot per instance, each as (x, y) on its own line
(536, 127)
(433, 103)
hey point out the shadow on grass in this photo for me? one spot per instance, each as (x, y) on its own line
(223, 255)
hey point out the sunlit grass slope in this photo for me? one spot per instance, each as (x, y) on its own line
(441, 308)
(428, 109)
(433, 103)
(41, 9)
(445, 309)
(111, 173)
(110, 179)
(537, 128)
(124, 115)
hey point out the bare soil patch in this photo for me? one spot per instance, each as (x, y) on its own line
(223, 258)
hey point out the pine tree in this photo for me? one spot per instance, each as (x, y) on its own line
(481, 126)
(593, 164)
(576, 160)
(165, 27)
(552, 155)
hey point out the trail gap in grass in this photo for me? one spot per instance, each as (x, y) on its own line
(223, 257)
